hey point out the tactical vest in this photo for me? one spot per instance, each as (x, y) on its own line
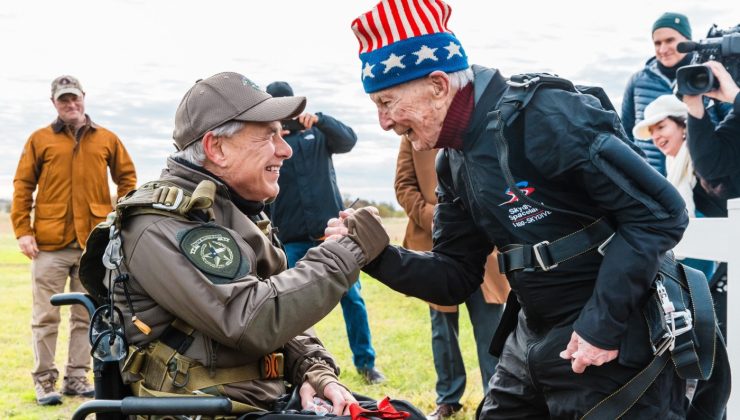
(160, 368)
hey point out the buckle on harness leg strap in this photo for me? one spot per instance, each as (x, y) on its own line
(538, 256)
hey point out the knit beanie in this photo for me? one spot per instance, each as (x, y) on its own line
(675, 21)
(404, 40)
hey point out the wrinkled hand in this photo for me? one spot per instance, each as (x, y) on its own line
(335, 228)
(308, 119)
(337, 395)
(27, 244)
(364, 227)
(582, 354)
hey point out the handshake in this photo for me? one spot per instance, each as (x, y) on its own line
(363, 226)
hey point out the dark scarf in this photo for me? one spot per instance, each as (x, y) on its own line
(457, 119)
(670, 72)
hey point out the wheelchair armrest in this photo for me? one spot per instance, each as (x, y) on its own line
(87, 301)
(156, 405)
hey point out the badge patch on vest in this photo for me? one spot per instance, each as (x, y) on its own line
(213, 250)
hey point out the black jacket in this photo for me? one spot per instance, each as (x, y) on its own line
(715, 152)
(567, 152)
(309, 195)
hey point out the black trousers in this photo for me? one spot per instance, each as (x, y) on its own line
(533, 382)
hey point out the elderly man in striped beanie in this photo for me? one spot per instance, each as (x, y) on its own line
(579, 335)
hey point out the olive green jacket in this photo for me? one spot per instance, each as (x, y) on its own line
(263, 308)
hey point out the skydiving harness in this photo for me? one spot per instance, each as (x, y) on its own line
(679, 313)
(159, 368)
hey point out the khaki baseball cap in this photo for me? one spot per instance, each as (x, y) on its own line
(66, 84)
(225, 97)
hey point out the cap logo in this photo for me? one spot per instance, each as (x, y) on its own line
(64, 81)
(247, 82)
(677, 21)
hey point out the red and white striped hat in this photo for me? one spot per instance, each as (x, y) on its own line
(403, 40)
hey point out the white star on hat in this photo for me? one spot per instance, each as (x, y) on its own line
(368, 71)
(425, 53)
(453, 49)
(393, 61)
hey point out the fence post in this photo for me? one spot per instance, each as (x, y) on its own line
(719, 239)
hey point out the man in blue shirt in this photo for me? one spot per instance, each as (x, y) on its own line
(308, 198)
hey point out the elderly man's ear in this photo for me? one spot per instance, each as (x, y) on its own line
(440, 83)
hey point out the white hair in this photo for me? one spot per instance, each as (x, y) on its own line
(461, 78)
(195, 154)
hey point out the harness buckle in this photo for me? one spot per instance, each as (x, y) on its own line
(525, 84)
(175, 204)
(538, 256)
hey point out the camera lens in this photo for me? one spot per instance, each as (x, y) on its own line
(695, 80)
(700, 82)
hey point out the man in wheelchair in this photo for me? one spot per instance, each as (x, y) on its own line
(193, 268)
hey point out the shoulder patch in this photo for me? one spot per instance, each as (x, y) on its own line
(213, 250)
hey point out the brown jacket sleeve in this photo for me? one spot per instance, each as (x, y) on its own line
(24, 184)
(415, 182)
(251, 313)
(122, 169)
(306, 359)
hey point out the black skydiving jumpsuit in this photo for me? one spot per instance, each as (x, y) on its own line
(567, 152)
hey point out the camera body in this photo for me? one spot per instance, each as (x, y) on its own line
(722, 45)
(292, 125)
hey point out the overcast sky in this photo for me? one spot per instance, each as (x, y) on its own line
(136, 59)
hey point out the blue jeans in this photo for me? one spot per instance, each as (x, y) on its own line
(353, 308)
(448, 361)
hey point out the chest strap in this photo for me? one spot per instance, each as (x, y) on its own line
(545, 256)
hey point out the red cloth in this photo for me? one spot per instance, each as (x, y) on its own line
(457, 119)
(385, 411)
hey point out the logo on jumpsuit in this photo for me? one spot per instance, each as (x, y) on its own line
(212, 250)
(524, 214)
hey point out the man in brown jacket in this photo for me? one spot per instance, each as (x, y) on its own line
(68, 162)
(209, 305)
(415, 183)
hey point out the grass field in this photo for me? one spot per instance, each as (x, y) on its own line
(400, 328)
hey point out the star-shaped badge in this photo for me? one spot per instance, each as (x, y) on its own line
(425, 53)
(393, 61)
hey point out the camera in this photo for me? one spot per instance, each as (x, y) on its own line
(722, 45)
(292, 125)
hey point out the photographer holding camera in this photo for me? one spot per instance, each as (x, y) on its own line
(715, 150)
(660, 76)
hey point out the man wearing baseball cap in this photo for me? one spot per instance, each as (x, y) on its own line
(67, 164)
(579, 335)
(204, 263)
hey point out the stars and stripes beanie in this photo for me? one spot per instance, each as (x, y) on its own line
(403, 40)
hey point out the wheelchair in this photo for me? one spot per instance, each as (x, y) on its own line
(114, 400)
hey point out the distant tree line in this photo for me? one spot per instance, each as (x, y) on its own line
(385, 209)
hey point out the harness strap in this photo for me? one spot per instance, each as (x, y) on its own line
(691, 341)
(546, 255)
(164, 368)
